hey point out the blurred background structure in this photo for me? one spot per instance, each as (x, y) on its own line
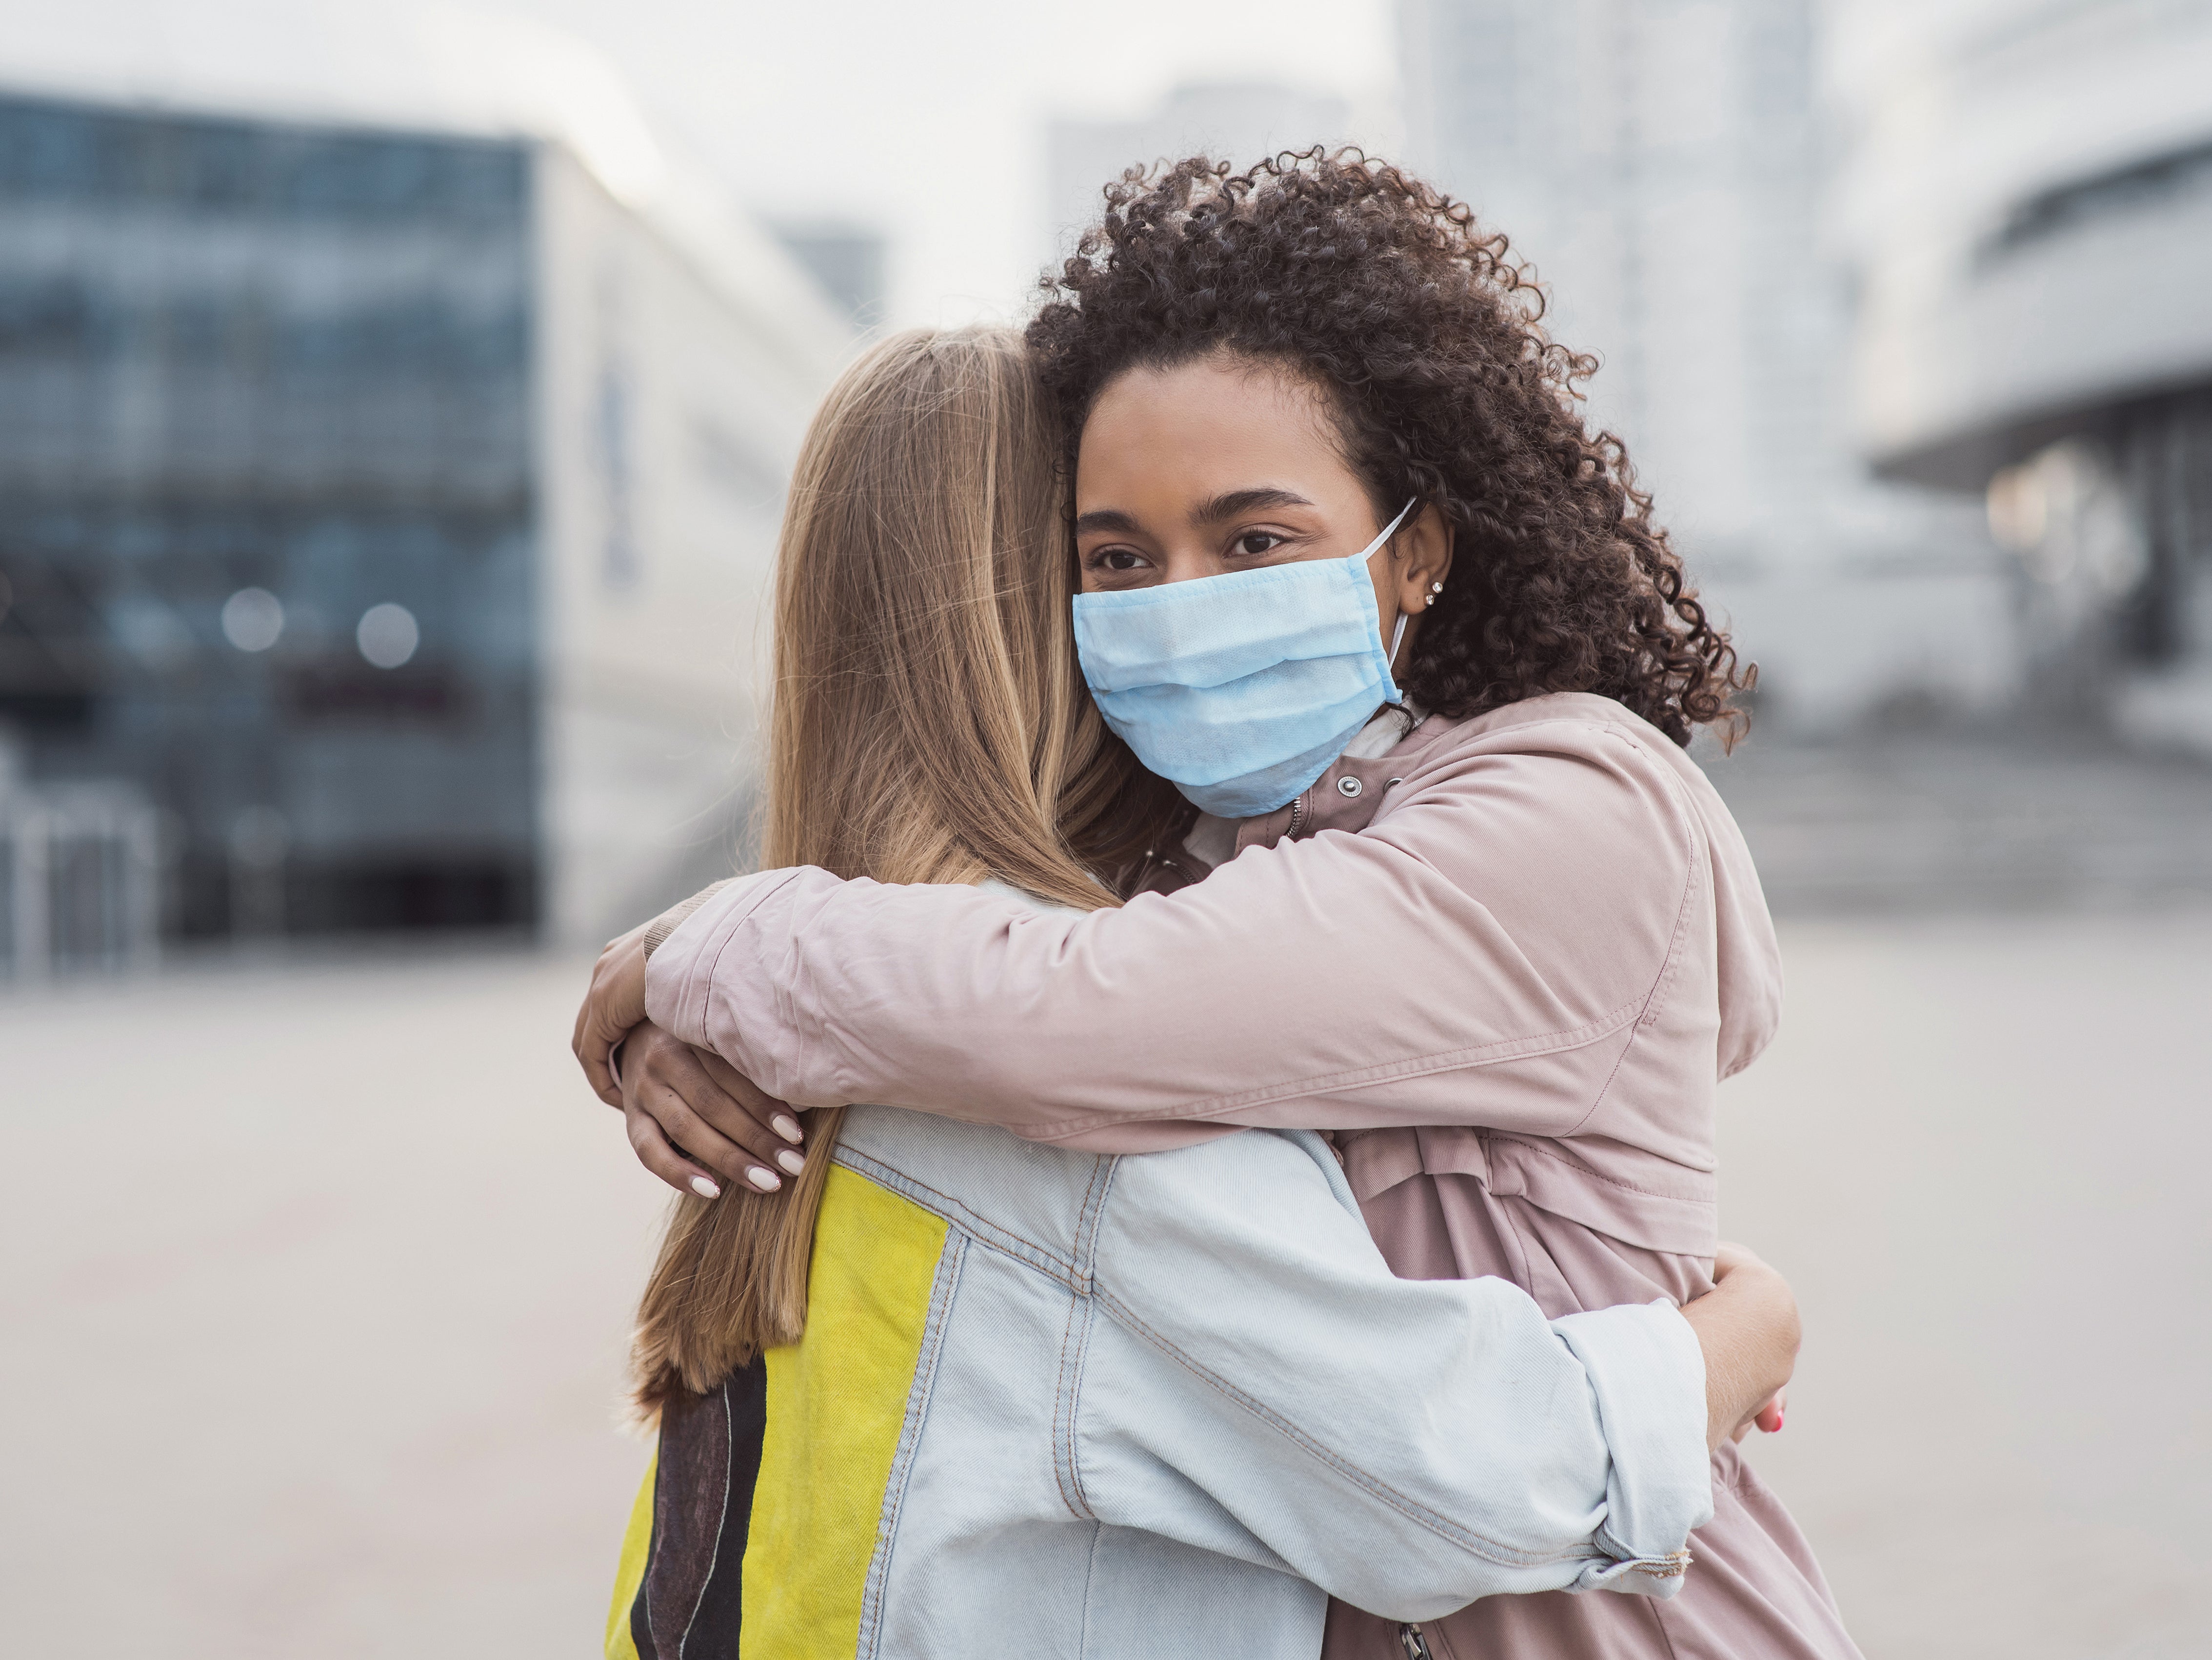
(2025, 207)
(1660, 165)
(396, 405)
(392, 446)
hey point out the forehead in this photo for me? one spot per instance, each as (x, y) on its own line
(1201, 427)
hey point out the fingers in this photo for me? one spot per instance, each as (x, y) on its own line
(596, 1053)
(704, 1123)
(729, 1110)
(760, 1108)
(614, 1004)
(593, 1044)
(654, 1151)
(1767, 1420)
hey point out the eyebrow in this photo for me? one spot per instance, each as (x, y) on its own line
(1108, 519)
(1214, 510)
(1235, 504)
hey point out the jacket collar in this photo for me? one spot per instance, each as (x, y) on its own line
(1348, 795)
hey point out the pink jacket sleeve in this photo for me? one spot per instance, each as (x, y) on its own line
(1518, 907)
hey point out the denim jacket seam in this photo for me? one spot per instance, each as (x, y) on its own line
(1413, 1510)
(1090, 1579)
(1082, 1314)
(1094, 1197)
(920, 1395)
(1074, 1334)
(1062, 1416)
(984, 1233)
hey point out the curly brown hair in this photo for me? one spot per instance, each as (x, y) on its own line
(1427, 336)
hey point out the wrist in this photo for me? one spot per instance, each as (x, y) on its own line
(1747, 1329)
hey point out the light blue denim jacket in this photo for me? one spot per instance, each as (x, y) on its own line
(1167, 1403)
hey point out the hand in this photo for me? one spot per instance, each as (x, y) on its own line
(1769, 1420)
(1749, 1328)
(687, 1107)
(614, 1003)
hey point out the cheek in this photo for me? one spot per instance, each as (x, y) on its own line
(1384, 573)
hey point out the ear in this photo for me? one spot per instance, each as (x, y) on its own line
(1422, 559)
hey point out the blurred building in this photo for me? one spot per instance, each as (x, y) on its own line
(2027, 199)
(848, 260)
(393, 440)
(1662, 164)
(1234, 121)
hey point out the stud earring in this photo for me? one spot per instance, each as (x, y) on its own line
(1426, 603)
(1436, 588)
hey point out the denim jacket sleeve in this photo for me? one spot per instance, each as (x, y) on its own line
(1257, 1382)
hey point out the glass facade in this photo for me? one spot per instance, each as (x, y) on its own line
(266, 507)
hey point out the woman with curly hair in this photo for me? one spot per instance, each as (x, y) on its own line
(946, 1392)
(1401, 631)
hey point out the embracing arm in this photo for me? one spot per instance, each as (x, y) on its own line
(1516, 910)
(1409, 1445)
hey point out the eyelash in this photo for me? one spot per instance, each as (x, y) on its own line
(1097, 561)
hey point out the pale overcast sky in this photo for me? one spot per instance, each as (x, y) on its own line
(927, 119)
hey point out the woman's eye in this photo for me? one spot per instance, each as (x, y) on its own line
(1118, 559)
(1255, 543)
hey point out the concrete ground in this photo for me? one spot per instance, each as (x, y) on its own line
(313, 1280)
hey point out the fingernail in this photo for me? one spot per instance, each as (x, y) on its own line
(766, 1180)
(787, 1126)
(705, 1188)
(792, 1162)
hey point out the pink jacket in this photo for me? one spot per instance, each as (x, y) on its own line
(1508, 962)
(1547, 925)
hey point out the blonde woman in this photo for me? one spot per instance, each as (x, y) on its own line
(947, 1393)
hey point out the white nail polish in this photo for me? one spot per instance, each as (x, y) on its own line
(766, 1180)
(792, 1162)
(787, 1126)
(705, 1188)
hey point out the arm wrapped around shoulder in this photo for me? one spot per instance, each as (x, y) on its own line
(1518, 913)
(1257, 1382)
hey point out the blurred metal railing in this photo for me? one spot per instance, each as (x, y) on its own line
(79, 880)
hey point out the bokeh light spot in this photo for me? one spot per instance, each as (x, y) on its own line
(387, 636)
(252, 618)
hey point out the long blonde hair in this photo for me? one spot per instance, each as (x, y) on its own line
(929, 725)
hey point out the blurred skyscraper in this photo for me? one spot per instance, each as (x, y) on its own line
(1233, 121)
(847, 260)
(1662, 164)
(2027, 200)
(392, 438)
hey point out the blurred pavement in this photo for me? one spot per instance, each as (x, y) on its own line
(315, 1279)
(1979, 1150)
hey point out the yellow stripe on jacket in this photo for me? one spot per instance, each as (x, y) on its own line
(836, 1403)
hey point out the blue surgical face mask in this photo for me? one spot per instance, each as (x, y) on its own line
(1241, 688)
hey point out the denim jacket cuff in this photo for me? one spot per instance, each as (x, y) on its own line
(1647, 1377)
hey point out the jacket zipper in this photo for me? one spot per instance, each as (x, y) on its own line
(1415, 1644)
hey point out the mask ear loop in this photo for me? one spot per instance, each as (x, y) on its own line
(1398, 634)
